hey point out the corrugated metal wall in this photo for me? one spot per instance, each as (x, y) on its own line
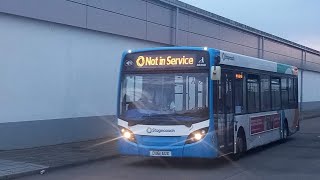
(156, 20)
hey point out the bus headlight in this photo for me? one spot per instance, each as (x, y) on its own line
(127, 134)
(197, 135)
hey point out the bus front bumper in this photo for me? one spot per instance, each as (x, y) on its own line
(202, 149)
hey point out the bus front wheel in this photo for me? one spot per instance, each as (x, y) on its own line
(241, 146)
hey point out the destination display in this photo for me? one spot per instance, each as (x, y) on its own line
(166, 60)
(143, 61)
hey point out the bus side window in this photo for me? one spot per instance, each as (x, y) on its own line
(228, 92)
(239, 93)
(265, 93)
(293, 97)
(284, 93)
(253, 91)
(275, 93)
(296, 91)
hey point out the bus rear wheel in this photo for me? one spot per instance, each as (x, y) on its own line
(285, 131)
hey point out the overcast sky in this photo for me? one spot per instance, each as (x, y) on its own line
(295, 20)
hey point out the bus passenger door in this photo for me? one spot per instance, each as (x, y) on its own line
(224, 115)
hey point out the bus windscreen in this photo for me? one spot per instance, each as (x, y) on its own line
(175, 98)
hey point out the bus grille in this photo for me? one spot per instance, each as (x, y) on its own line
(161, 141)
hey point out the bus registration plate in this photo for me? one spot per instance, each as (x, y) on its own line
(160, 153)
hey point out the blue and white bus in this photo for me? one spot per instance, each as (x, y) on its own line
(203, 102)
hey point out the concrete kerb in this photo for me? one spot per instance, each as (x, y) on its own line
(19, 175)
(50, 158)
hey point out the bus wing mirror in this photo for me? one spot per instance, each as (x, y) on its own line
(215, 73)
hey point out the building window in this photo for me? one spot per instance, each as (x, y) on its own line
(284, 93)
(253, 93)
(265, 93)
(275, 94)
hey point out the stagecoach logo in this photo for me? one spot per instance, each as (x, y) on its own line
(227, 57)
(152, 130)
(128, 63)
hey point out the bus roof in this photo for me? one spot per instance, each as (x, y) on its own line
(234, 59)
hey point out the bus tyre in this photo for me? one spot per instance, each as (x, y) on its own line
(241, 147)
(285, 131)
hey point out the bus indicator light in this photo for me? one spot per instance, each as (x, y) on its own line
(295, 71)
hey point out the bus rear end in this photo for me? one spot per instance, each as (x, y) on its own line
(163, 104)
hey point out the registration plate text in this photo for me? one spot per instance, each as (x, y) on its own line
(160, 153)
